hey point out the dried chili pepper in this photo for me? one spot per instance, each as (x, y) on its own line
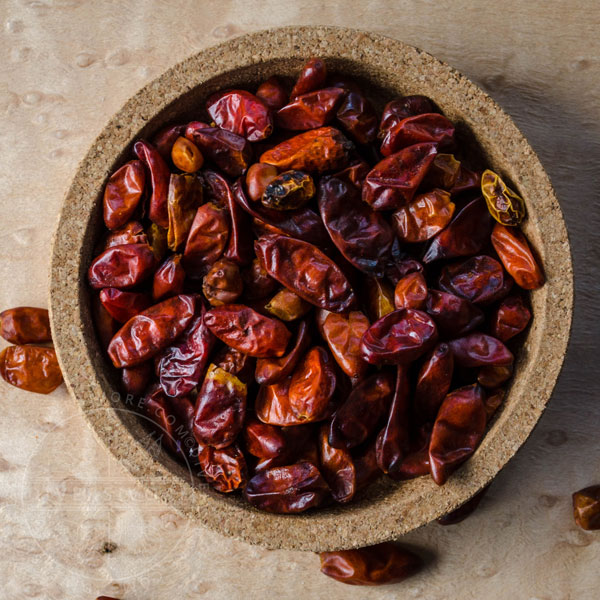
(457, 431)
(399, 338)
(306, 271)
(220, 408)
(123, 193)
(247, 331)
(392, 183)
(504, 205)
(363, 236)
(241, 113)
(586, 507)
(372, 565)
(146, 334)
(25, 325)
(122, 266)
(317, 150)
(287, 490)
(517, 258)
(288, 191)
(31, 368)
(159, 180)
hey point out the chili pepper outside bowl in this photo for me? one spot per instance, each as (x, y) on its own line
(388, 68)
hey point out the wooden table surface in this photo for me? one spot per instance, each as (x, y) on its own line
(73, 523)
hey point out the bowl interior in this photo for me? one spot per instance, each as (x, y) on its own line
(385, 68)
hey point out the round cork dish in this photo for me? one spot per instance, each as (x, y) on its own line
(386, 68)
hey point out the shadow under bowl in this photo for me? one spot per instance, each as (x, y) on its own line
(387, 68)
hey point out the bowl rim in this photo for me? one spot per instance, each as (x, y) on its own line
(378, 519)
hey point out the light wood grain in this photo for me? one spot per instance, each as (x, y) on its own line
(67, 66)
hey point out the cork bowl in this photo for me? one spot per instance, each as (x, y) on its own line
(386, 68)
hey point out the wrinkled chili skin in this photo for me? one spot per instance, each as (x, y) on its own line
(271, 370)
(418, 129)
(337, 468)
(312, 385)
(392, 182)
(504, 205)
(511, 245)
(479, 279)
(224, 469)
(343, 334)
(311, 110)
(371, 565)
(433, 382)
(457, 431)
(121, 305)
(393, 441)
(453, 315)
(510, 318)
(317, 150)
(168, 279)
(241, 113)
(263, 440)
(480, 350)
(306, 271)
(25, 325)
(586, 508)
(466, 234)
(301, 223)
(223, 283)
(399, 338)
(287, 490)
(357, 117)
(402, 108)
(230, 152)
(272, 93)
(183, 200)
(146, 334)
(462, 512)
(363, 236)
(31, 368)
(131, 233)
(424, 217)
(123, 193)
(220, 408)
(272, 404)
(159, 180)
(411, 291)
(135, 380)
(122, 266)
(358, 416)
(181, 365)
(247, 331)
(312, 77)
(207, 239)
